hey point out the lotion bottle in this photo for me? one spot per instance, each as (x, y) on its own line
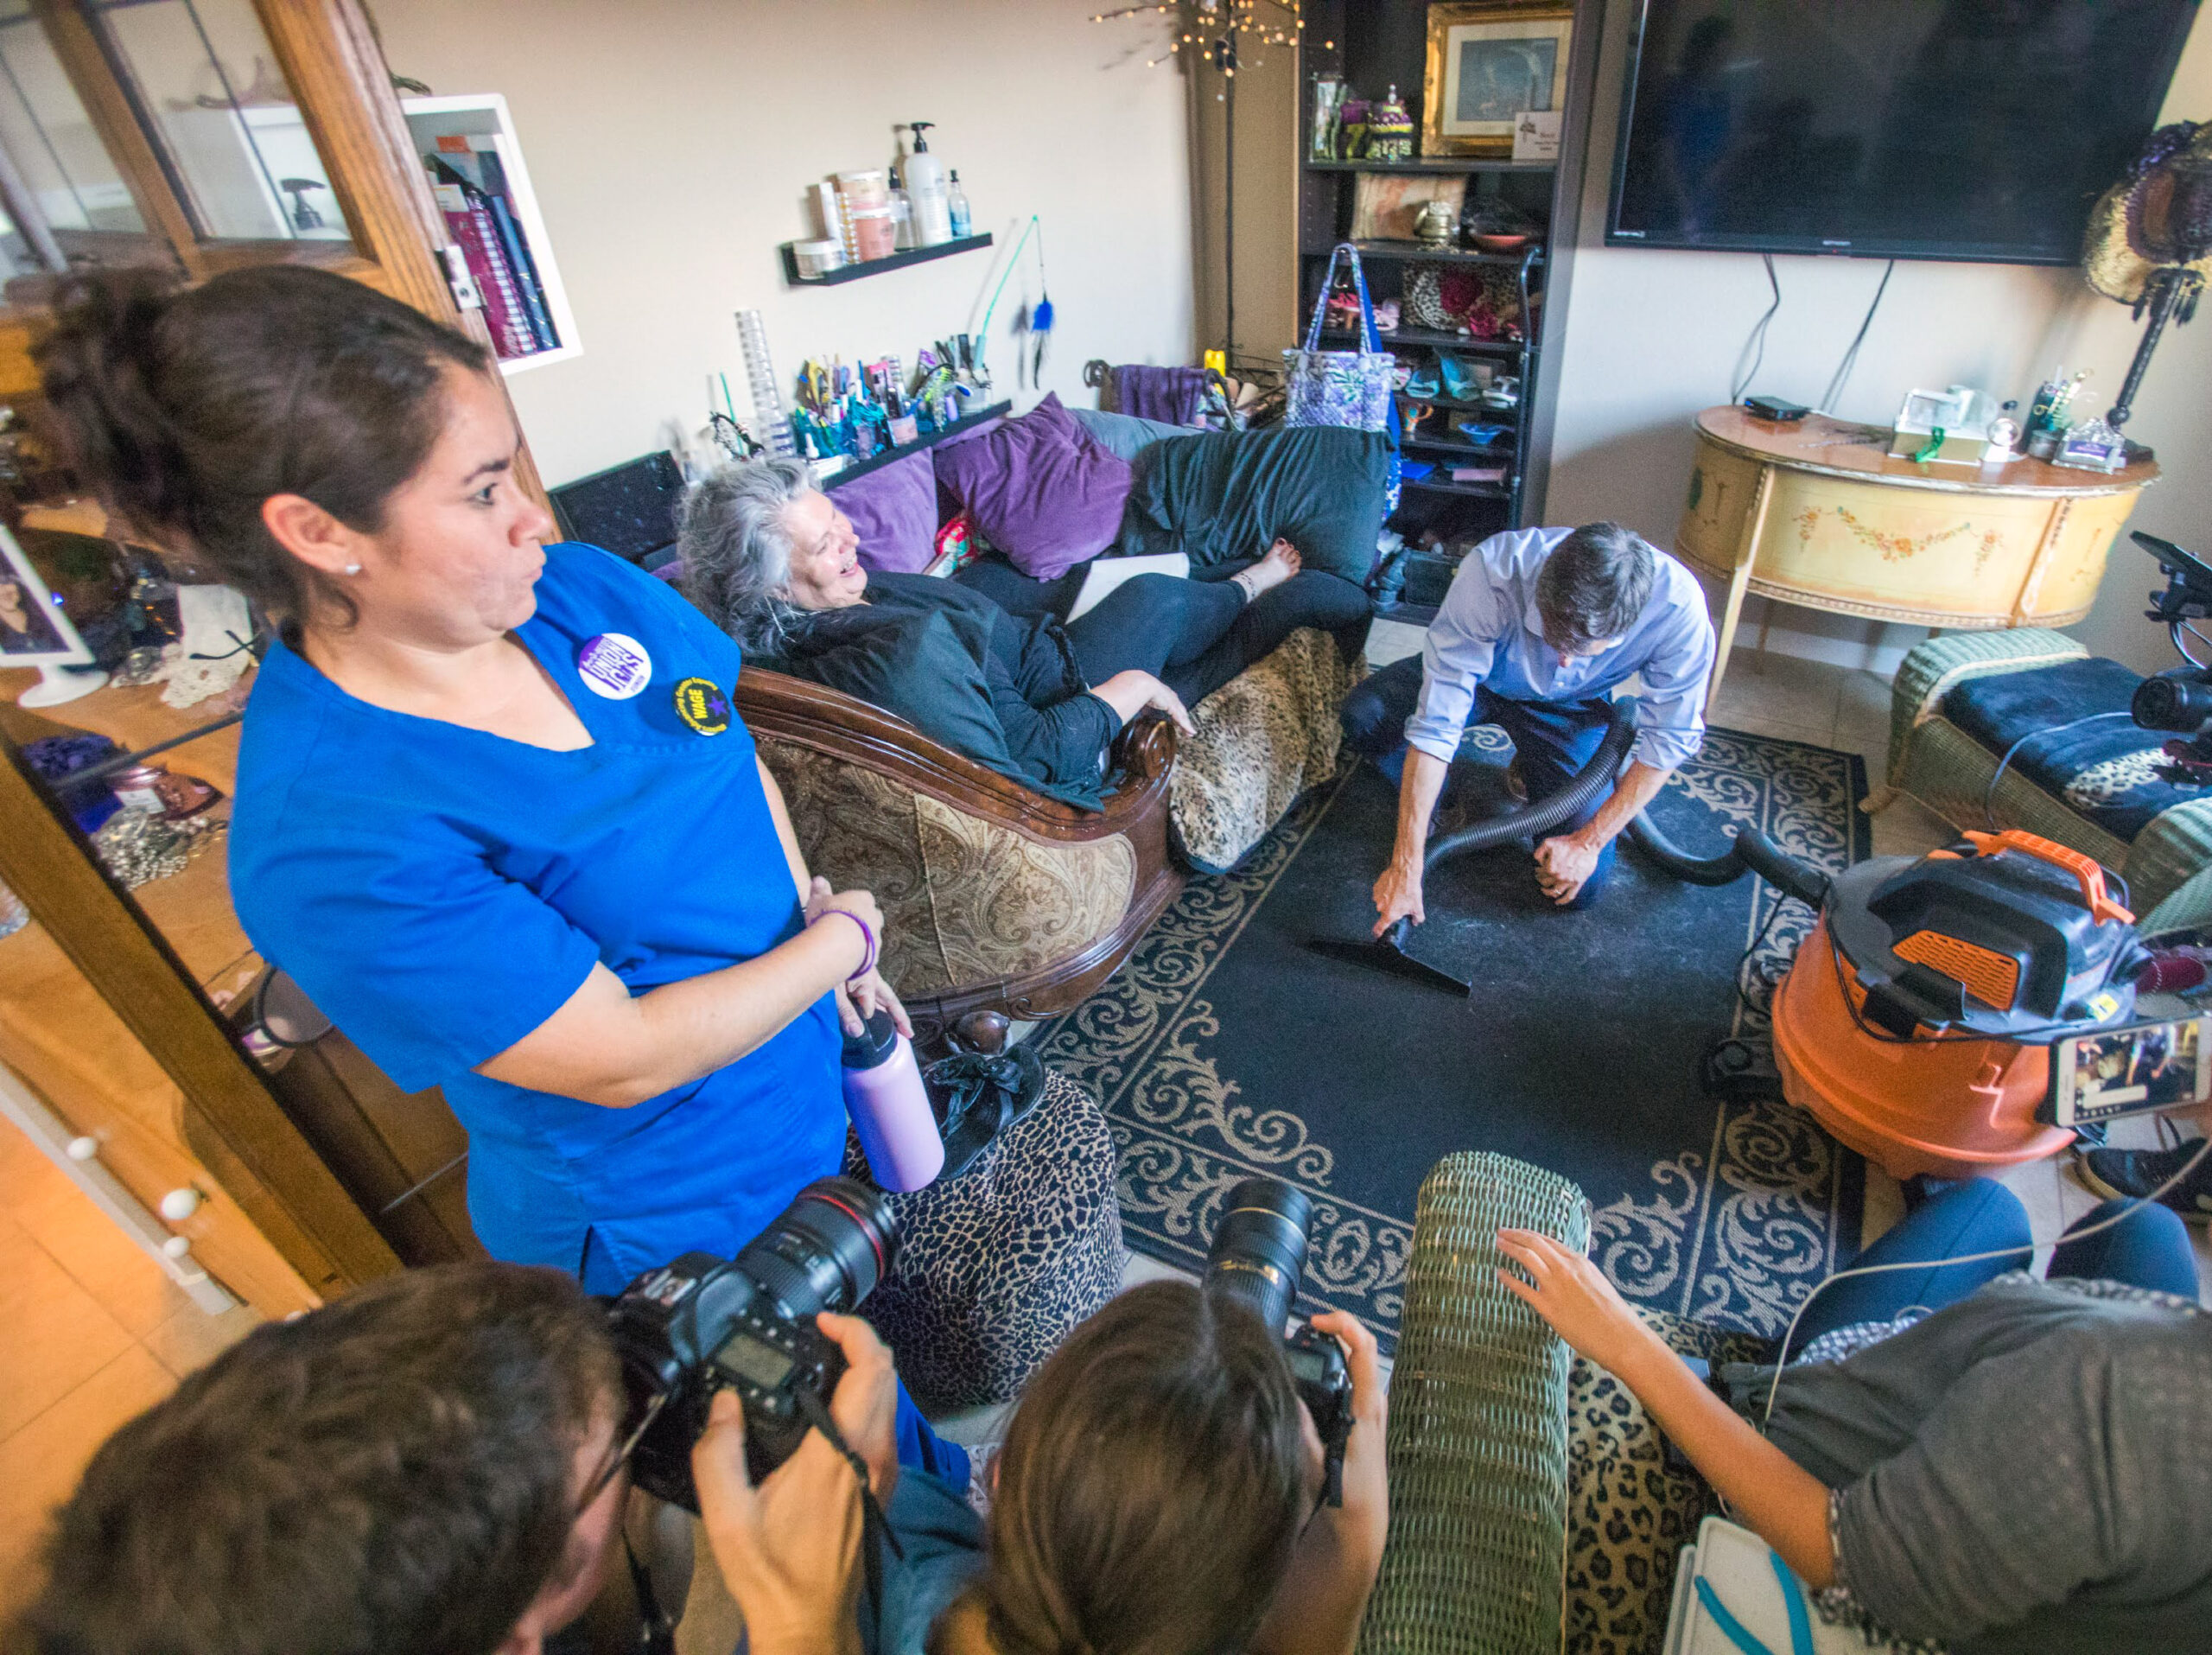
(925, 190)
(956, 207)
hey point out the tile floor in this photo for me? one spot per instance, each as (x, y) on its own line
(95, 1334)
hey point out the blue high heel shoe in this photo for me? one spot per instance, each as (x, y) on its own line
(1460, 380)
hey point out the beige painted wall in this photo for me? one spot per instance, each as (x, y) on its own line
(1267, 203)
(672, 142)
(1653, 337)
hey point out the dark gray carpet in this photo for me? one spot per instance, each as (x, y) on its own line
(1226, 1046)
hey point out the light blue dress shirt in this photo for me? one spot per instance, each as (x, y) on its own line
(1489, 632)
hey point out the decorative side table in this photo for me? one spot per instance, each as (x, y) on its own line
(1817, 513)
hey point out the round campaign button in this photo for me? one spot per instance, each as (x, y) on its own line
(703, 706)
(614, 665)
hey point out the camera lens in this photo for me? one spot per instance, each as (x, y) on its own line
(2169, 702)
(827, 1250)
(1259, 1251)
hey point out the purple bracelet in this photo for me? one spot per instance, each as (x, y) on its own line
(867, 935)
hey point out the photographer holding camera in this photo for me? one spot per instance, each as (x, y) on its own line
(1181, 1476)
(439, 1463)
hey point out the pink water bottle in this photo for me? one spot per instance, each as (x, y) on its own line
(890, 1107)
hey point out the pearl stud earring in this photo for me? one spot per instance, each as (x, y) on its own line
(352, 569)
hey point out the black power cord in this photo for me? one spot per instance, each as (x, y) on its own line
(1851, 356)
(1755, 345)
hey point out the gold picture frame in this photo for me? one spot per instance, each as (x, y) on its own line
(1485, 57)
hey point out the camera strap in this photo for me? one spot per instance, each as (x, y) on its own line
(656, 1631)
(875, 1527)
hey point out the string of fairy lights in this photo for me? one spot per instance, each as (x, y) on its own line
(1218, 32)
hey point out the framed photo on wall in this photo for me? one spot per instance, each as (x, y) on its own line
(1488, 63)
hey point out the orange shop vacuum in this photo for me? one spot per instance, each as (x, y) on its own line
(1918, 1020)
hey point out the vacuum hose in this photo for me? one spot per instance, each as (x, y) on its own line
(1749, 851)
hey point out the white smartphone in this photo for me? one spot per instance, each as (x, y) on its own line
(2133, 1070)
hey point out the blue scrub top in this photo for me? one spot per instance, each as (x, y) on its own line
(441, 892)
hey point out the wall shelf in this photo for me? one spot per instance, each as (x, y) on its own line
(878, 266)
(459, 129)
(886, 456)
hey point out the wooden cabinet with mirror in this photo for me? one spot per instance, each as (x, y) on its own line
(140, 132)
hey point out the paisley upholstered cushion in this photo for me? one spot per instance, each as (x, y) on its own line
(965, 900)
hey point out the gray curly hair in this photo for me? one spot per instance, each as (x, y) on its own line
(737, 550)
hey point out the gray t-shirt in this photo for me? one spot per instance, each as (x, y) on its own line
(2028, 1470)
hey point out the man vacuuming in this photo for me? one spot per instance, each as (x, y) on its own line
(1539, 627)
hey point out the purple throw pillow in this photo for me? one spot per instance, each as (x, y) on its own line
(1040, 489)
(893, 512)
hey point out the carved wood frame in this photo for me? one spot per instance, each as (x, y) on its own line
(856, 732)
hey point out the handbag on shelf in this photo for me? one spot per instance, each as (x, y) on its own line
(1351, 388)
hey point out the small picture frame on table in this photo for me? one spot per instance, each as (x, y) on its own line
(34, 632)
(1490, 62)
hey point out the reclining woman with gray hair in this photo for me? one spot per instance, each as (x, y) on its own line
(771, 560)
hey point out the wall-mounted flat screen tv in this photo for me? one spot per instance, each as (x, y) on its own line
(1978, 130)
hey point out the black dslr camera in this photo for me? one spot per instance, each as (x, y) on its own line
(2180, 699)
(1257, 1256)
(704, 1324)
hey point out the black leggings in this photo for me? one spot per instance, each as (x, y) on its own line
(1193, 635)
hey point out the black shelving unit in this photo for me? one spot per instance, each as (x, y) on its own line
(897, 261)
(1377, 43)
(1445, 164)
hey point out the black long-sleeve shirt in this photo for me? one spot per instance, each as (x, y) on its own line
(1004, 691)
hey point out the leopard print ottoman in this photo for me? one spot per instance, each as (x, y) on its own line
(998, 1265)
(1629, 1513)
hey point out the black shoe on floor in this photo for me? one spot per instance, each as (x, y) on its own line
(2139, 1171)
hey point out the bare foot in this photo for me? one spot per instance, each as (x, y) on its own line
(1281, 562)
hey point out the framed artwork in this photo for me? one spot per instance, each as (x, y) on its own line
(32, 630)
(1488, 63)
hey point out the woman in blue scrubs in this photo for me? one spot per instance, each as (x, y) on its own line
(495, 811)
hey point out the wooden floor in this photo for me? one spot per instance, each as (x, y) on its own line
(91, 1333)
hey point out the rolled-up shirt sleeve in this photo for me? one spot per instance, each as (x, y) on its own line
(1670, 718)
(1456, 655)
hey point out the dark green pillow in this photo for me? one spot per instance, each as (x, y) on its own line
(1227, 495)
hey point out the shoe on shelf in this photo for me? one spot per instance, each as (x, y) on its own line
(1421, 384)
(1460, 380)
(1480, 433)
(2137, 1173)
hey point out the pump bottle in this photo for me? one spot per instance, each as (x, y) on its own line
(956, 207)
(925, 191)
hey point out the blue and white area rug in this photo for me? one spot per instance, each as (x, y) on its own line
(1225, 1046)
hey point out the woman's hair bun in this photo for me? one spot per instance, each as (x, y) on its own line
(187, 409)
(99, 366)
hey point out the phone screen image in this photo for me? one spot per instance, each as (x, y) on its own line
(2132, 1071)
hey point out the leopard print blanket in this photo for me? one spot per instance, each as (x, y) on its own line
(997, 1266)
(1629, 1513)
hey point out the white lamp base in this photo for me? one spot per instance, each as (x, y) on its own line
(58, 683)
